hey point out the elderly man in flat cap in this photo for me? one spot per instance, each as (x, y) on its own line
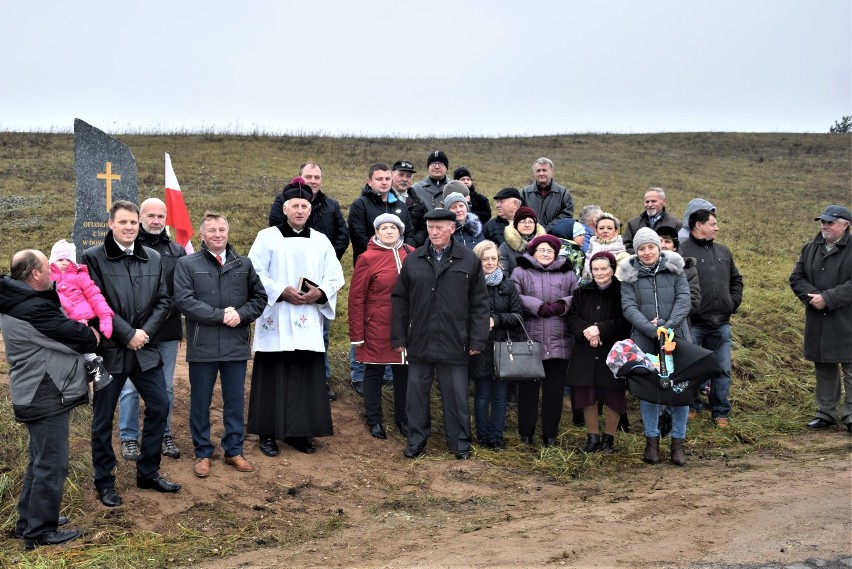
(441, 318)
(822, 279)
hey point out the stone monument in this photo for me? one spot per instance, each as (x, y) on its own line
(106, 171)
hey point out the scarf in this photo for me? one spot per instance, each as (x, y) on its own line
(395, 248)
(494, 278)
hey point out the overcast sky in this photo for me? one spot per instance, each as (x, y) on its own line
(488, 67)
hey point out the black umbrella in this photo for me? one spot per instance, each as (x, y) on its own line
(693, 365)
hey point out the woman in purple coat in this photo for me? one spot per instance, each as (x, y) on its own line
(545, 283)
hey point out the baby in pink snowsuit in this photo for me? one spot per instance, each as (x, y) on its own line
(82, 300)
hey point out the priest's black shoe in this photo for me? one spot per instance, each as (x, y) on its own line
(462, 454)
(413, 451)
(819, 424)
(402, 428)
(378, 431)
(159, 484)
(301, 444)
(52, 538)
(550, 442)
(109, 497)
(268, 446)
(526, 440)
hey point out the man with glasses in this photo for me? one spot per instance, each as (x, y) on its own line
(822, 280)
(431, 188)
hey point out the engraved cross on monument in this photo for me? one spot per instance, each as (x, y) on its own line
(106, 171)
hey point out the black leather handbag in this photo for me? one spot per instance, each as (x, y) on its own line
(518, 361)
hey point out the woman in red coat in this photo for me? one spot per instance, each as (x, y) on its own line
(373, 280)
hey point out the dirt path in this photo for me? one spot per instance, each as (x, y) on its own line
(358, 503)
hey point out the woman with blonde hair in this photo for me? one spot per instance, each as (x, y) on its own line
(489, 403)
(607, 238)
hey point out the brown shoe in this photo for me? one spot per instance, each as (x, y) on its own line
(240, 463)
(722, 422)
(202, 467)
(693, 414)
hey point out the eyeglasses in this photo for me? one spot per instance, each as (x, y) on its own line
(527, 220)
(547, 250)
(437, 163)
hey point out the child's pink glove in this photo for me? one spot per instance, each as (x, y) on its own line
(105, 326)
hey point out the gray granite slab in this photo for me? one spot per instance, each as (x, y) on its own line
(106, 172)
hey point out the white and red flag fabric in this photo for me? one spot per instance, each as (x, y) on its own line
(177, 216)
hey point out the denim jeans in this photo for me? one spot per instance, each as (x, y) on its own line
(202, 379)
(128, 401)
(356, 373)
(356, 369)
(152, 389)
(717, 339)
(44, 478)
(651, 419)
(489, 392)
(326, 324)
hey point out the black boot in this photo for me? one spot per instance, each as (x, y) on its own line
(678, 456)
(607, 442)
(593, 442)
(652, 450)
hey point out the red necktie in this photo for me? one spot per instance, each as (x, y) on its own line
(219, 258)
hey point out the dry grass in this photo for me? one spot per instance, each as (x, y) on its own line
(767, 187)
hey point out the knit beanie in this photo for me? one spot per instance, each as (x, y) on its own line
(455, 187)
(389, 218)
(551, 240)
(63, 249)
(438, 156)
(646, 235)
(461, 172)
(610, 258)
(454, 197)
(524, 212)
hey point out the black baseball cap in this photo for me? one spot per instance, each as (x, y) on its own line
(404, 166)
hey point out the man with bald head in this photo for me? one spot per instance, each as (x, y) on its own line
(152, 233)
(47, 379)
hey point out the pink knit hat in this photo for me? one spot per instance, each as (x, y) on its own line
(63, 249)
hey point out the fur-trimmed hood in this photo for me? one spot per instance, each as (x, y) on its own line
(471, 223)
(669, 261)
(516, 242)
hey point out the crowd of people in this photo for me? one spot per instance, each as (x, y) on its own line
(437, 280)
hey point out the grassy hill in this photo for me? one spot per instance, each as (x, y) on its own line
(767, 187)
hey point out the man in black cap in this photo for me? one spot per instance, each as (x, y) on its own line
(478, 203)
(822, 280)
(401, 178)
(506, 203)
(430, 189)
(441, 318)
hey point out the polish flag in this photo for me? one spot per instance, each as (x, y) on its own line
(177, 215)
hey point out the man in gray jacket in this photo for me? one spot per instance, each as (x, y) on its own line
(221, 295)
(822, 280)
(47, 378)
(431, 188)
(549, 200)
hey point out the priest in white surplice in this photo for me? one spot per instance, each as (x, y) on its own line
(289, 400)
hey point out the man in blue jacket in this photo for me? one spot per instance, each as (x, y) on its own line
(47, 378)
(221, 295)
